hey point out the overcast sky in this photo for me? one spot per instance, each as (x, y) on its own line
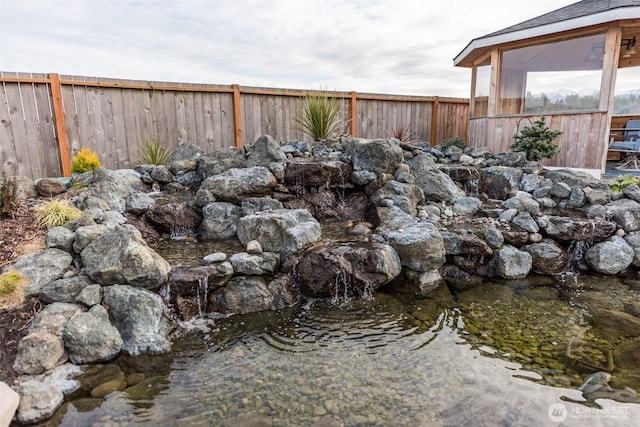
(380, 46)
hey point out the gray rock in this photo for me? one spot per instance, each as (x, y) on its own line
(514, 159)
(42, 267)
(522, 204)
(185, 152)
(548, 257)
(91, 338)
(633, 240)
(254, 247)
(526, 222)
(436, 185)
(182, 166)
(115, 194)
(456, 243)
(264, 151)
(378, 155)
(418, 243)
(8, 404)
(626, 213)
(87, 234)
(234, 185)
(131, 178)
(64, 290)
(49, 187)
(500, 182)
(530, 182)
(62, 377)
(561, 190)
(577, 197)
(574, 178)
(405, 196)
(281, 231)
(161, 174)
(121, 256)
(317, 174)
(221, 161)
(493, 236)
(458, 278)
(39, 352)
(419, 283)
(597, 196)
(174, 217)
(214, 257)
(140, 317)
(90, 295)
(571, 229)
(347, 270)
(467, 206)
(362, 177)
(53, 317)
(219, 221)
(25, 188)
(247, 294)
(508, 215)
(512, 263)
(138, 203)
(611, 256)
(255, 265)
(60, 238)
(252, 205)
(38, 401)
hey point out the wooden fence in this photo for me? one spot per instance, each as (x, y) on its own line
(45, 118)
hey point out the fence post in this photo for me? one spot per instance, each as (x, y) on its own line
(237, 116)
(353, 115)
(434, 121)
(59, 120)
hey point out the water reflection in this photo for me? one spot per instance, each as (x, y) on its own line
(392, 360)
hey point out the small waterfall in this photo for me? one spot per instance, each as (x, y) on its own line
(472, 187)
(180, 233)
(577, 250)
(202, 295)
(340, 288)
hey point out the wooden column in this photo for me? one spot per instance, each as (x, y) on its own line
(353, 115)
(434, 121)
(608, 84)
(59, 120)
(237, 116)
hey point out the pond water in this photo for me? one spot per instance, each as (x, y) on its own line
(493, 355)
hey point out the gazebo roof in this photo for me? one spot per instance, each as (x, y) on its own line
(577, 15)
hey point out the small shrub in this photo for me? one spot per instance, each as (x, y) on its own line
(12, 286)
(537, 141)
(85, 160)
(319, 116)
(623, 181)
(152, 152)
(8, 196)
(403, 134)
(56, 212)
(456, 142)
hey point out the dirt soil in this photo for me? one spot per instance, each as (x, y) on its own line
(19, 235)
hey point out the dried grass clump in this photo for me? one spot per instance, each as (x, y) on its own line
(12, 286)
(56, 212)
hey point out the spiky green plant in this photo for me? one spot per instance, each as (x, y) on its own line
(623, 181)
(12, 285)
(319, 116)
(537, 141)
(152, 152)
(55, 212)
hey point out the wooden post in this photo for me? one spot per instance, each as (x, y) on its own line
(434, 121)
(237, 116)
(59, 120)
(353, 115)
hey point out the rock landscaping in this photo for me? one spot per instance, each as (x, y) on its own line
(411, 217)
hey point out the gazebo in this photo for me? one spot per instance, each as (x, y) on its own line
(578, 66)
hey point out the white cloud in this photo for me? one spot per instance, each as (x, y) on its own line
(388, 46)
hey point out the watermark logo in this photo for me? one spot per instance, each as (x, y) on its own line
(557, 412)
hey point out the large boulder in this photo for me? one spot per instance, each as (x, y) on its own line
(42, 267)
(64, 290)
(255, 264)
(500, 182)
(234, 185)
(90, 337)
(282, 231)
(512, 263)
(548, 257)
(610, 257)
(249, 294)
(220, 221)
(315, 174)
(221, 161)
(626, 213)
(378, 156)
(347, 270)
(140, 317)
(174, 218)
(576, 229)
(418, 243)
(38, 401)
(39, 352)
(463, 242)
(405, 196)
(121, 256)
(436, 185)
(265, 151)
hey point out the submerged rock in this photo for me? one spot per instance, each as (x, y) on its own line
(38, 401)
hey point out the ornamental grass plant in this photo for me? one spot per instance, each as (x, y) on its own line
(55, 212)
(320, 117)
(12, 286)
(152, 152)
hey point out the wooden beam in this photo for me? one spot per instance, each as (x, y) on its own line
(353, 115)
(434, 122)
(59, 120)
(237, 116)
